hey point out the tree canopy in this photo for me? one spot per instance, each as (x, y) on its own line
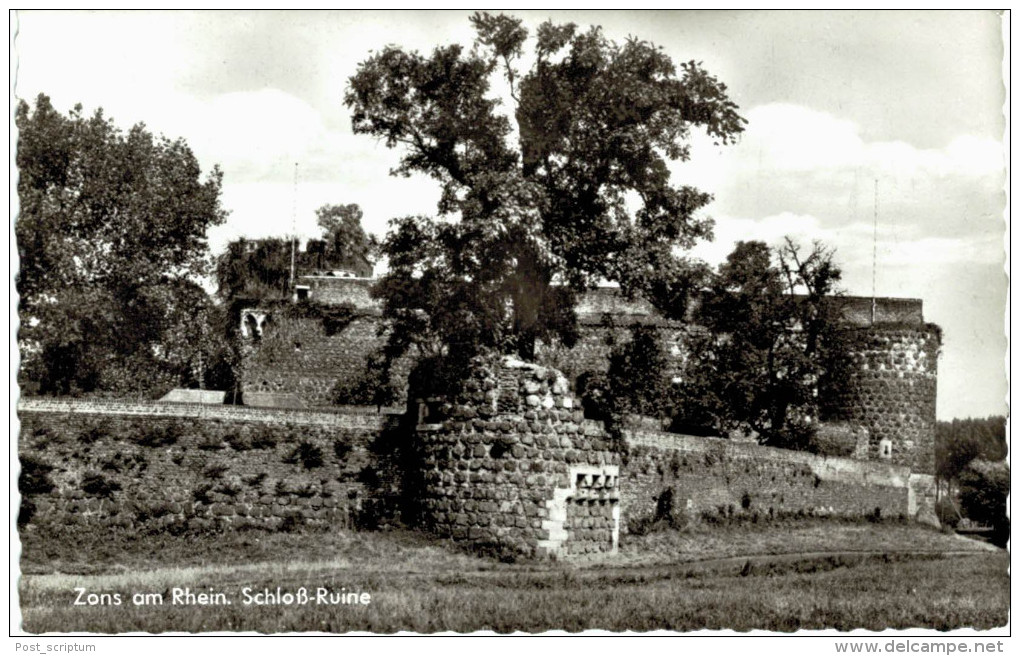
(574, 191)
(773, 339)
(111, 235)
(344, 243)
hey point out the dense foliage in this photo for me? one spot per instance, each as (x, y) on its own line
(575, 190)
(111, 236)
(636, 383)
(772, 339)
(969, 460)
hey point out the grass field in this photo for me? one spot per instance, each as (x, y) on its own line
(811, 575)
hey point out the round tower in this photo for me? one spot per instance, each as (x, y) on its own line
(512, 462)
(891, 391)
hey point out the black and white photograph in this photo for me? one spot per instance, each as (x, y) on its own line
(503, 322)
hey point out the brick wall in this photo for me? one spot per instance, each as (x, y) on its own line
(296, 358)
(149, 465)
(718, 478)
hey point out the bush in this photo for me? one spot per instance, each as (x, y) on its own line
(342, 449)
(255, 480)
(214, 472)
(159, 434)
(211, 443)
(152, 511)
(94, 431)
(238, 440)
(309, 455)
(263, 438)
(837, 439)
(97, 485)
(947, 513)
(228, 489)
(34, 477)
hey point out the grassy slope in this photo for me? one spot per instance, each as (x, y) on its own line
(419, 584)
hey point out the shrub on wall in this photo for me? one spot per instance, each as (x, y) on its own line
(94, 430)
(160, 434)
(306, 453)
(833, 440)
(97, 485)
(33, 480)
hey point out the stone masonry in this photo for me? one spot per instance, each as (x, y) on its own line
(512, 462)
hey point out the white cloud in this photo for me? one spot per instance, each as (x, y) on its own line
(786, 139)
(796, 138)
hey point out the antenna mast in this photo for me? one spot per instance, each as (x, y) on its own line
(293, 228)
(874, 255)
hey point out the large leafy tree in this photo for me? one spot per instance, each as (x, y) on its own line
(772, 339)
(111, 236)
(570, 188)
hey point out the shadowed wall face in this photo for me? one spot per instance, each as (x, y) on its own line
(512, 463)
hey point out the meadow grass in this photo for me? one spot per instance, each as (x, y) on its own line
(733, 580)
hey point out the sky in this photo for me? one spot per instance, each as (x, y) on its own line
(851, 116)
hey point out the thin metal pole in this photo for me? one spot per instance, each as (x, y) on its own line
(293, 228)
(874, 256)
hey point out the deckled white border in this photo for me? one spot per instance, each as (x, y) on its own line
(805, 642)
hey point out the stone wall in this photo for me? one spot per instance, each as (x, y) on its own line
(714, 479)
(512, 462)
(151, 466)
(892, 393)
(297, 363)
(509, 462)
